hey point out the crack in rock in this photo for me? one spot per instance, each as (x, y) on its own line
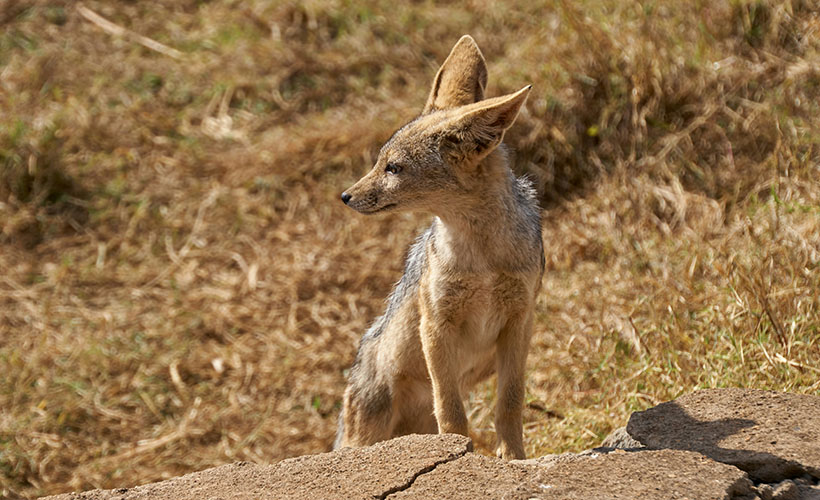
(426, 470)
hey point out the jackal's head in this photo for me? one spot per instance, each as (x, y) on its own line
(434, 159)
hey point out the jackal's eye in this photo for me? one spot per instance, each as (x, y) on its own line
(392, 168)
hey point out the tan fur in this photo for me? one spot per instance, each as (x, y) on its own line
(464, 307)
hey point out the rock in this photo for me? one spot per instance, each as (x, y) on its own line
(787, 490)
(773, 436)
(693, 447)
(548, 460)
(422, 467)
(351, 473)
(648, 475)
(472, 477)
(621, 440)
(799, 489)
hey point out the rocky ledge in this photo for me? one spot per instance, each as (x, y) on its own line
(712, 444)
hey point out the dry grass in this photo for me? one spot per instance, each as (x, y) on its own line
(180, 287)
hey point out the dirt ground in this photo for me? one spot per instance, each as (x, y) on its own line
(180, 286)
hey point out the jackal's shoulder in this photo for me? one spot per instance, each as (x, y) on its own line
(406, 287)
(526, 197)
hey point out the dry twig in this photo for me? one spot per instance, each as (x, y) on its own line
(118, 30)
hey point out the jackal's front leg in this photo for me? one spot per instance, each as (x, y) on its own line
(511, 358)
(439, 343)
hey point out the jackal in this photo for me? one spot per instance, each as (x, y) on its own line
(464, 306)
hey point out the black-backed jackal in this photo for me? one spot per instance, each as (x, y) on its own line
(464, 307)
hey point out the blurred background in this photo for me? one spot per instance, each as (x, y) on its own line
(180, 286)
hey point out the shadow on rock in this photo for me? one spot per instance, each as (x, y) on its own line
(670, 426)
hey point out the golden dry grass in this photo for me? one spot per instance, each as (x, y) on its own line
(181, 288)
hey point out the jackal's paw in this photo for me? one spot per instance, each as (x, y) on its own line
(509, 452)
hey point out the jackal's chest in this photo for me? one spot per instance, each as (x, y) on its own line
(477, 306)
(482, 318)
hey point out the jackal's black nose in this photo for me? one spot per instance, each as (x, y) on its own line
(345, 198)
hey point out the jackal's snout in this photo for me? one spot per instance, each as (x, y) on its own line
(359, 199)
(369, 194)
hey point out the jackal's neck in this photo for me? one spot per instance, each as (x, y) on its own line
(494, 224)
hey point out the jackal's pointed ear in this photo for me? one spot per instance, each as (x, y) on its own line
(461, 79)
(498, 114)
(480, 128)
